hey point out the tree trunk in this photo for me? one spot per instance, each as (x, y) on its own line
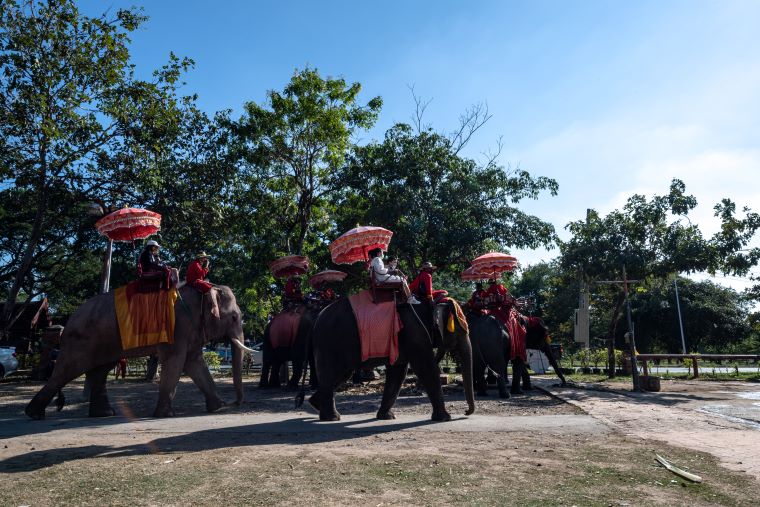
(619, 299)
(28, 258)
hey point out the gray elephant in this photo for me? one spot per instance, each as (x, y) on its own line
(273, 358)
(91, 344)
(491, 346)
(537, 338)
(337, 353)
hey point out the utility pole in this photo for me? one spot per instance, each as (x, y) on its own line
(634, 363)
(680, 320)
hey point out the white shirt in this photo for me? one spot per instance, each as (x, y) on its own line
(378, 267)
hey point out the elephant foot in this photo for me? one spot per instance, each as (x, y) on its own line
(101, 410)
(482, 393)
(313, 386)
(263, 385)
(214, 405)
(527, 387)
(386, 416)
(504, 395)
(34, 412)
(441, 416)
(314, 401)
(165, 411)
(329, 417)
(291, 387)
(517, 391)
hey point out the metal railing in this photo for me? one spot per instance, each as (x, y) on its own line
(695, 358)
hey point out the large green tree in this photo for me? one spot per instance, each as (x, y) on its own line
(653, 238)
(442, 206)
(293, 145)
(72, 116)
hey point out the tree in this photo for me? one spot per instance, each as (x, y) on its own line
(654, 238)
(293, 146)
(441, 206)
(714, 317)
(72, 115)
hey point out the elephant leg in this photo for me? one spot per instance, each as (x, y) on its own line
(394, 379)
(525, 376)
(313, 379)
(196, 367)
(324, 399)
(63, 373)
(97, 377)
(172, 361)
(274, 374)
(266, 367)
(297, 374)
(517, 366)
(478, 372)
(429, 375)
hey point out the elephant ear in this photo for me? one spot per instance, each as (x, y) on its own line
(213, 302)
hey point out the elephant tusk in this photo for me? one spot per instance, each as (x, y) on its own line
(241, 346)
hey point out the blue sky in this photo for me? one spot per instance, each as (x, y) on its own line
(607, 97)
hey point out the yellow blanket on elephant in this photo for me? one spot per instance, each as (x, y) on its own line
(144, 319)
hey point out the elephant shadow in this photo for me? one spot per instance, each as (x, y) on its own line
(294, 431)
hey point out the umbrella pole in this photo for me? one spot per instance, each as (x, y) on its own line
(105, 276)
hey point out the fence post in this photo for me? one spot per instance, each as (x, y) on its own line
(694, 361)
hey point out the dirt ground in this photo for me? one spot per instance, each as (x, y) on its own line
(529, 450)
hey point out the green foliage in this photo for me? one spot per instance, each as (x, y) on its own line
(442, 207)
(73, 117)
(293, 146)
(212, 360)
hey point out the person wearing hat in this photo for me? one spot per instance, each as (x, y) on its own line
(197, 272)
(292, 293)
(150, 260)
(422, 285)
(153, 273)
(383, 275)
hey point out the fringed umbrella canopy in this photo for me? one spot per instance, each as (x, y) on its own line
(292, 265)
(129, 224)
(354, 245)
(470, 275)
(494, 263)
(327, 276)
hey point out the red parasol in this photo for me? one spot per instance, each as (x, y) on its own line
(353, 245)
(470, 274)
(494, 263)
(129, 224)
(330, 275)
(292, 265)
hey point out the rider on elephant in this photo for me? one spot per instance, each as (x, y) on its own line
(384, 275)
(197, 272)
(152, 271)
(478, 298)
(292, 295)
(422, 285)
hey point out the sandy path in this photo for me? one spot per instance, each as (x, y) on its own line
(718, 418)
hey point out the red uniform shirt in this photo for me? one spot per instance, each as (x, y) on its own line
(422, 285)
(292, 288)
(195, 276)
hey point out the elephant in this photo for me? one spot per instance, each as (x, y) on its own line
(274, 358)
(491, 345)
(91, 344)
(337, 353)
(537, 338)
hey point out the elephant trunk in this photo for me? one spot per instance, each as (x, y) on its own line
(237, 369)
(465, 355)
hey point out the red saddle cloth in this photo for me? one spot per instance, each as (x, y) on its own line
(284, 328)
(516, 332)
(379, 325)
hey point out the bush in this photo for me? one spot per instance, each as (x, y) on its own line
(212, 360)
